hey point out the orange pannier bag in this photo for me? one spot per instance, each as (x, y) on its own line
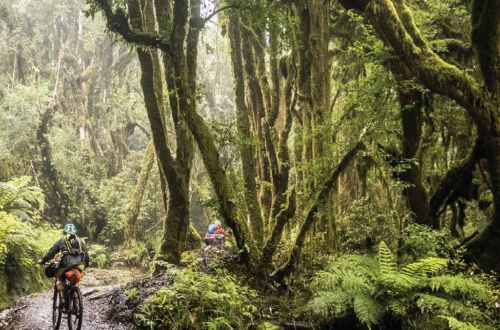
(74, 275)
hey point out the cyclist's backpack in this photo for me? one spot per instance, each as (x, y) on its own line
(73, 254)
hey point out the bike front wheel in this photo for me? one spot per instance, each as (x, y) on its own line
(75, 311)
(56, 310)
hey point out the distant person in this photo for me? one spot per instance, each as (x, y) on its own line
(215, 235)
(73, 258)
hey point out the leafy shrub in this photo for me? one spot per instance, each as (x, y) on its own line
(99, 256)
(19, 198)
(21, 246)
(362, 225)
(418, 294)
(199, 301)
(423, 242)
(135, 254)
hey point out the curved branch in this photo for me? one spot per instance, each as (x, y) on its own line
(118, 23)
(281, 273)
(215, 12)
(399, 30)
(453, 183)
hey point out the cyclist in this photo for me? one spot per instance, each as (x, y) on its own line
(215, 234)
(74, 257)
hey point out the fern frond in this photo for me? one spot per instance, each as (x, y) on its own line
(429, 304)
(330, 304)
(425, 267)
(387, 261)
(455, 324)
(458, 286)
(355, 264)
(368, 310)
(399, 307)
(325, 281)
(356, 284)
(397, 283)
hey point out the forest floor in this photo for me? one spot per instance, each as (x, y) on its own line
(34, 312)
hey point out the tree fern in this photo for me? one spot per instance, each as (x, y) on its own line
(416, 294)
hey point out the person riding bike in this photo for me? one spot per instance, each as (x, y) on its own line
(74, 257)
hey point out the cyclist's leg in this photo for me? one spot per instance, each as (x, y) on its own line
(60, 284)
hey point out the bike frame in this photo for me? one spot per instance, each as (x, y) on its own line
(73, 305)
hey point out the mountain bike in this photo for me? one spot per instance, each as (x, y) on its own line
(71, 306)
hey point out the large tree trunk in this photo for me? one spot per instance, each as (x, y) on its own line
(247, 150)
(411, 102)
(177, 220)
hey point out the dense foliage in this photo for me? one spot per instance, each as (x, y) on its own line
(422, 294)
(22, 242)
(199, 301)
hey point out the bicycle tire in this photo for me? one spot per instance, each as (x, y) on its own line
(56, 310)
(75, 312)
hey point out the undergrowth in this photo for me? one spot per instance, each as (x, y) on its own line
(199, 301)
(422, 294)
(21, 245)
(21, 242)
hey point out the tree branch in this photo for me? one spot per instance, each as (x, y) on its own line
(215, 12)
(453, 184)
(118, 23)
(281, 273)
(399, 30)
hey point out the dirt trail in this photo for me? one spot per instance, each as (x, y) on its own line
(35, 312)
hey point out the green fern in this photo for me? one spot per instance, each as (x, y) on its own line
(19, 198)
(455, 324)
(330, 304)
(386, 259)
(425, 267)
(458, 286)
(416, 294)
(358, 285)
(368, 310)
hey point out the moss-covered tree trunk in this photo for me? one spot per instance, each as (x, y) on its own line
(175, 171)
(411, 102)
(56, 197)
(246, 146)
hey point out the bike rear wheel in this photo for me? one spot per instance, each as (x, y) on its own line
(56, 310)
(75, 311)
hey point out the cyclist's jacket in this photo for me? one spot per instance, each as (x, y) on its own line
(73, 252)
